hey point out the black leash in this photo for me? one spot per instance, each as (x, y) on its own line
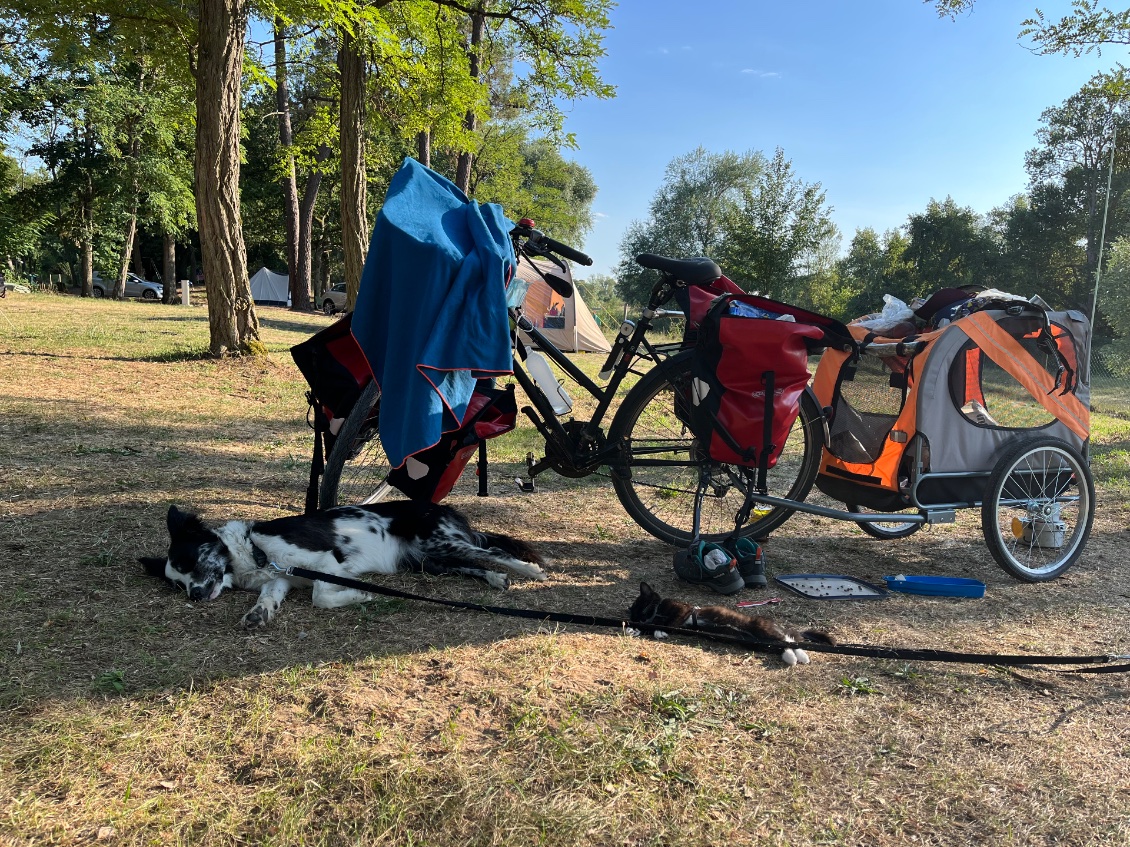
(740, 640)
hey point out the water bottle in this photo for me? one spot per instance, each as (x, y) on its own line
(554, 391)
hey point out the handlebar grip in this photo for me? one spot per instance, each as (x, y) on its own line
(566, 251)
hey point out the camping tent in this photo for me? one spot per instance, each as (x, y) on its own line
(567, 322)
(270, 289)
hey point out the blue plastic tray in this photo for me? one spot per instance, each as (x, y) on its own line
(936, 586)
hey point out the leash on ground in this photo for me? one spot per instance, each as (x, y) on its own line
(739, 640)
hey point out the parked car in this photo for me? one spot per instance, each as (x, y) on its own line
(334, 299)
(135, 287)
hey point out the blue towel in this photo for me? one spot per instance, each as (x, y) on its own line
(431, 312)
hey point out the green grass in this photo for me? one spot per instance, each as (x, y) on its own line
(127, 713)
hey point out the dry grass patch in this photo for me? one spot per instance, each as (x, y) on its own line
(131, 716)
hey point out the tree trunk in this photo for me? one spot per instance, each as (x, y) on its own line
(169, 268)
(354, 219)
(233, 326)
(127, 249)
(299, 294)
(86, 265)
(306, 222)
(424, 148)
(135, 255)
(470, 122)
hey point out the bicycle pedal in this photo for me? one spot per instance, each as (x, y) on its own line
(525, 486)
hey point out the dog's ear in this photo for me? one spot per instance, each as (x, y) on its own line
(184, 525)
(155, 567)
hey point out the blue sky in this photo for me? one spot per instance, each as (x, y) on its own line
(882, 102)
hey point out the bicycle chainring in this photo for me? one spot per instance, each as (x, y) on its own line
(564, 464)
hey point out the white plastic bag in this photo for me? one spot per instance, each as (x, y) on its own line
(894, 313)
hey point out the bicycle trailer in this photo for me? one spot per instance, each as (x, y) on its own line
(985, 406)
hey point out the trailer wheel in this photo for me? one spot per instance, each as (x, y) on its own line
(886, 530)
(1038, 509)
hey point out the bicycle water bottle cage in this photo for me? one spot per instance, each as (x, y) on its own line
(697, 271)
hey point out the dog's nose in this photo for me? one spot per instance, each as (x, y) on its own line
(197, 593)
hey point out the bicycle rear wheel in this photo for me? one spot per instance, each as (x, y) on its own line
(357, 465)
(662, 463)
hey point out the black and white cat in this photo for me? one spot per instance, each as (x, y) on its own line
(650, 608)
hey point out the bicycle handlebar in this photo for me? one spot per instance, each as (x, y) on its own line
(543, 242)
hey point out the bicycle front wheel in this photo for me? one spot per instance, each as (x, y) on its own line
(357, 465)
(662, 463)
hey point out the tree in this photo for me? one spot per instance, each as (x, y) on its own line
(1087, 28)
(1115, 300)
(1070, 167)
(949, 247)
(874, 266)
(763, 225)
(559, 42)
(530, 178)
(775, 240)
(689, 215)
(233, 325)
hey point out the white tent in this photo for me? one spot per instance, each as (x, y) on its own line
(270, 289)
(567, 322)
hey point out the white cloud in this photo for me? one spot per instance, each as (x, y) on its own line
(760, 74)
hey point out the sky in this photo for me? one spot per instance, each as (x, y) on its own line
(882, 102)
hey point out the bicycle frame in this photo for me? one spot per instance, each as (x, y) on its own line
(581, 460)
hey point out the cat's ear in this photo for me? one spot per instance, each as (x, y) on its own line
(646, 590)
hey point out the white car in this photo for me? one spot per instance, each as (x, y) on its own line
(334, 299)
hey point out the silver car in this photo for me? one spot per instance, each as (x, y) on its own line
(334, 299)
(135, 287)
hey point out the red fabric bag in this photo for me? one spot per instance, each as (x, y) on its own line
(749, 374)
(431, 473)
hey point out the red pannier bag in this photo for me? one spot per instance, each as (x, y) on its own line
(431, 474)
(749, 371)
(337, 373)
(334, 367)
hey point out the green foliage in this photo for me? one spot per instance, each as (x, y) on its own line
(1114, 294)
(949, 248)
(531, 179)
(1087, 28)
(767, 229)
(108, 116)
(599, 291)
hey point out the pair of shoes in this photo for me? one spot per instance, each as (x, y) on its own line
(709, 564)
(751, 561)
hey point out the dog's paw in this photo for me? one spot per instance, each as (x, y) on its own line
(257, 618)
(497, 580)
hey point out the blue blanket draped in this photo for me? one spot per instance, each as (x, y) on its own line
(431, 312)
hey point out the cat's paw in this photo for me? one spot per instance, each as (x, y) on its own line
(789, 656)
(801, 656)
(659, 635)
(631, 632)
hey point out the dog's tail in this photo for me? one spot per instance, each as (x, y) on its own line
(510, 546)
(820, 636)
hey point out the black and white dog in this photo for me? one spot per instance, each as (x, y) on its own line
(349, 541)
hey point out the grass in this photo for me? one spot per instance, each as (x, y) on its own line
(129, 716)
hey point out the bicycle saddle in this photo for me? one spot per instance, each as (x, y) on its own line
(697, 271)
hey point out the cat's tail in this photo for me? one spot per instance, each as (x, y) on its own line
(510, 546)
